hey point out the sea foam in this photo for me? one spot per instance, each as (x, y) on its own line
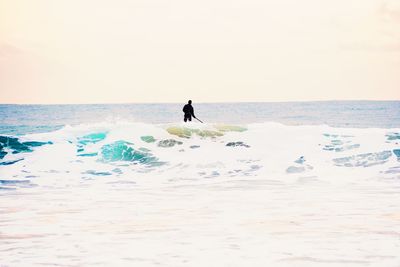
(120, 194)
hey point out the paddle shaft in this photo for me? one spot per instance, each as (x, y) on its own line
(198, 120)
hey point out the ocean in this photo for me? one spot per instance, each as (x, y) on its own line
(256, 184)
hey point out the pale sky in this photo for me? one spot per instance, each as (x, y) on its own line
(125, 51)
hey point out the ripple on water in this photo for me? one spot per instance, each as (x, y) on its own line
(364, 160)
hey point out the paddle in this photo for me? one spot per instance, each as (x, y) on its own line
(198, 120)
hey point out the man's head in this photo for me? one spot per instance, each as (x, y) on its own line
(190, 102)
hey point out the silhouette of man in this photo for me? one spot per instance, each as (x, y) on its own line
(189, 112)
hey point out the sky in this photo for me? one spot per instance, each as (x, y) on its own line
(127, 51)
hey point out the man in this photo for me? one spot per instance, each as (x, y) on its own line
(189, 112)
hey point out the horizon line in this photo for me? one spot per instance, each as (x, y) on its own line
(201, 102)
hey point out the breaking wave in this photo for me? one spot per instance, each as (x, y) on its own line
(196, 151)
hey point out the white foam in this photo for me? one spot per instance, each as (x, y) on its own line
(210, 205)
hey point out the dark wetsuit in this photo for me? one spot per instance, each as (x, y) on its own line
(189, 112)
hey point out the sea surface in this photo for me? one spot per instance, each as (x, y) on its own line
(256, 184)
